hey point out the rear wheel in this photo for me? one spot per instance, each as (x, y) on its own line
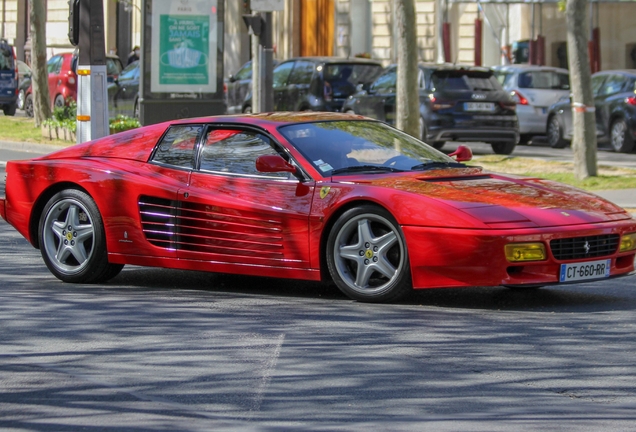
(555, 134)
(620, 137)
(524, 139)
(367, 255)
(21, 97)
(247, 110)
(9, 110)
(504, 148)
(72, 239)
(28, 105)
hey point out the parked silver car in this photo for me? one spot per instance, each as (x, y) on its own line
(534, 88)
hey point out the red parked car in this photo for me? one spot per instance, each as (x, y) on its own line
(63, 79)
(310, 196)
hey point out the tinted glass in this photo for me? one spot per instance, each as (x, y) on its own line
(54, 65)
(177, 146)
(231, 151)
(464, 80)
(351, 73)
(302, 73)
(504, 78)
(281, 73)
(113, 66)
(597, 82)
(549, 80)
(130, 72)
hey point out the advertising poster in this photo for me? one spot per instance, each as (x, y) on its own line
(184, 45)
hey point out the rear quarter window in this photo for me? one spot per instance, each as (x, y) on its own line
(177, 146)
(6, 58)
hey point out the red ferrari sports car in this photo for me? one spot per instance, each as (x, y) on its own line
(308, 196)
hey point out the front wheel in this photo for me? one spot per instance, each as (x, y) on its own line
(555, 134)
(72, 239)
(620, 138)
(21, 97)
(367, 255)
(504, 148)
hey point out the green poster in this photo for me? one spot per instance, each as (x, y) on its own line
(184, 49)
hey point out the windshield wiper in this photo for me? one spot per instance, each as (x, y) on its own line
(359, 168)
(437, 165)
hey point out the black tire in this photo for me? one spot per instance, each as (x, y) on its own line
(555, 134)
(76, 254)
(28, 105)
(136, 109)
(247, 110)
(620, 137)
(369, 237)
(59, 102)
(520, 288)
(9, 110)
(504, 148)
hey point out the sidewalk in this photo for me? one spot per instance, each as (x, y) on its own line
(625, 198)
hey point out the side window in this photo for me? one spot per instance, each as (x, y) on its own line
(302, 73)
(130, 72)
(281, 73)
(386, 81)
(177, 146)
(54, 64)
(614, 84)
(597, 82)
(232, 151)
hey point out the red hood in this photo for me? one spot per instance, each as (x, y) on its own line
(503, 201)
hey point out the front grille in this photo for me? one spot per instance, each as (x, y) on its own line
(584, 247)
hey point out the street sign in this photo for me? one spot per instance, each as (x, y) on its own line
(267, 5)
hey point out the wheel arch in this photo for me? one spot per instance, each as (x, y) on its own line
(38, 207)
(328, 225)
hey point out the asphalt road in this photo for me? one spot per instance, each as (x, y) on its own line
(158, 349)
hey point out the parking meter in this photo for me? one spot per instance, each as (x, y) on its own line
(86, 31)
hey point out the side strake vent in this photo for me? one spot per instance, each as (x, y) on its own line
(159, 221)
(584, 247)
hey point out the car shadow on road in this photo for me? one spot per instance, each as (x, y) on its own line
(592, 297)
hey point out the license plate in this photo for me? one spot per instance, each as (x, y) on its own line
(585, 271)
(479, 106)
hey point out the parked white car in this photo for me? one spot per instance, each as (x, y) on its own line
(534, 88)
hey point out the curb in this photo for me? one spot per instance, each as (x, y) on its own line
(32, 147)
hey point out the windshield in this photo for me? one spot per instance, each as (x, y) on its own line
(340, 147)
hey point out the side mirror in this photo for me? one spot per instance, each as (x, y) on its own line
(273, 164)
(462, 154)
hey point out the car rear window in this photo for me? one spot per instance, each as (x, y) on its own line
(544, 80)
(6, 58)
(464, 80)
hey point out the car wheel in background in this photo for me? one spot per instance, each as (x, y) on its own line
(620, 138)
(72, 239)
(58, 102)
(438, 144)
(504, 148)
(367, 255)
(136, 109)
(555, 134)
(28, 105)
(9, 110)
(20, 102)
(247, 110)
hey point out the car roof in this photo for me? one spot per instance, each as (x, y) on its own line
(273, 118)
(631, 72)
(528, 67)
(328, 60)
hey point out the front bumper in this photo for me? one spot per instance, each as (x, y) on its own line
(461, 258)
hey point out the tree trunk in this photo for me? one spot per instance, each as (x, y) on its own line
(583, 113)
(40, 76)
(407, 103)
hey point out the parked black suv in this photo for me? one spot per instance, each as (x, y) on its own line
(318, 83)
(457, 103)
(8, 79)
